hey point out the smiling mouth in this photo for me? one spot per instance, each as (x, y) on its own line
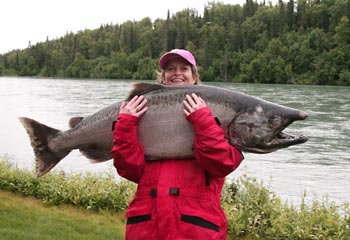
(177, 80)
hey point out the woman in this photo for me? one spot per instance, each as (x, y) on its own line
(175, 199)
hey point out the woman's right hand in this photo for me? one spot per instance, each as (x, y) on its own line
(135, 107)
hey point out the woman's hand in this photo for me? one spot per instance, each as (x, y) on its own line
(135, 107)
(193, 103)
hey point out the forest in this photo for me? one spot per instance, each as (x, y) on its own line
(293, 42)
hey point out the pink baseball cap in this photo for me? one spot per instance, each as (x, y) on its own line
(177, 53)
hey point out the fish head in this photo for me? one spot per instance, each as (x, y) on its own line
(260, 129)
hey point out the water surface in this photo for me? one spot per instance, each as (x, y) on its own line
(320, 167)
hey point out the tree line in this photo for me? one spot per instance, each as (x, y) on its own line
(302, 42)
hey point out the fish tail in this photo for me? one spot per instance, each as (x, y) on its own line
(40, 136)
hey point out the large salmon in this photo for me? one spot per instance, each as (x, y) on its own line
(249, 123)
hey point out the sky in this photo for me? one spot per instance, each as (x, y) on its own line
(24, 21)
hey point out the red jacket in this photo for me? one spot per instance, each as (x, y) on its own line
(176, 199)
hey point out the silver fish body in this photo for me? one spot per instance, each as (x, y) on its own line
(249, 123)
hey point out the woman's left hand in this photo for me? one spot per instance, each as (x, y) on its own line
(193, 103)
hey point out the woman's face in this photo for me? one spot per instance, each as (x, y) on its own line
(178, 72)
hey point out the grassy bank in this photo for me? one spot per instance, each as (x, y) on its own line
(27, 218)
(252, 210)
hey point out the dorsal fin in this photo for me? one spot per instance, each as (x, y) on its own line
(143, 88)
(74, 121)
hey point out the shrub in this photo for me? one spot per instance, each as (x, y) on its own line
(254, 212)
(93, 192)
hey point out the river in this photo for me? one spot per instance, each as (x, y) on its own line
(319, 167)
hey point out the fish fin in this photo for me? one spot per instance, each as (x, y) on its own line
(95, 154)
(143, 88)
(40, 136)
(74, 121)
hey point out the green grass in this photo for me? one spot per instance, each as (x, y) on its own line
(27, 218)
(253, 211)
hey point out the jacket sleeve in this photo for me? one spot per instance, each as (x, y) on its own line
(212, 150)
(127, 152)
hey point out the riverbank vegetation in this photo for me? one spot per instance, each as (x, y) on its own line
(253, 211)
(303, 41)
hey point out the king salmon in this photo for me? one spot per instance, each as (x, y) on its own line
(250, 124)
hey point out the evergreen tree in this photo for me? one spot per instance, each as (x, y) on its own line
(296, 41)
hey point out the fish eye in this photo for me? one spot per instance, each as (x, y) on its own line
(273, 120)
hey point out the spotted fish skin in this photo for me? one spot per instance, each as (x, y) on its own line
(250, 124)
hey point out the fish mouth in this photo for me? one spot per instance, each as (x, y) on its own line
(283, 140)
